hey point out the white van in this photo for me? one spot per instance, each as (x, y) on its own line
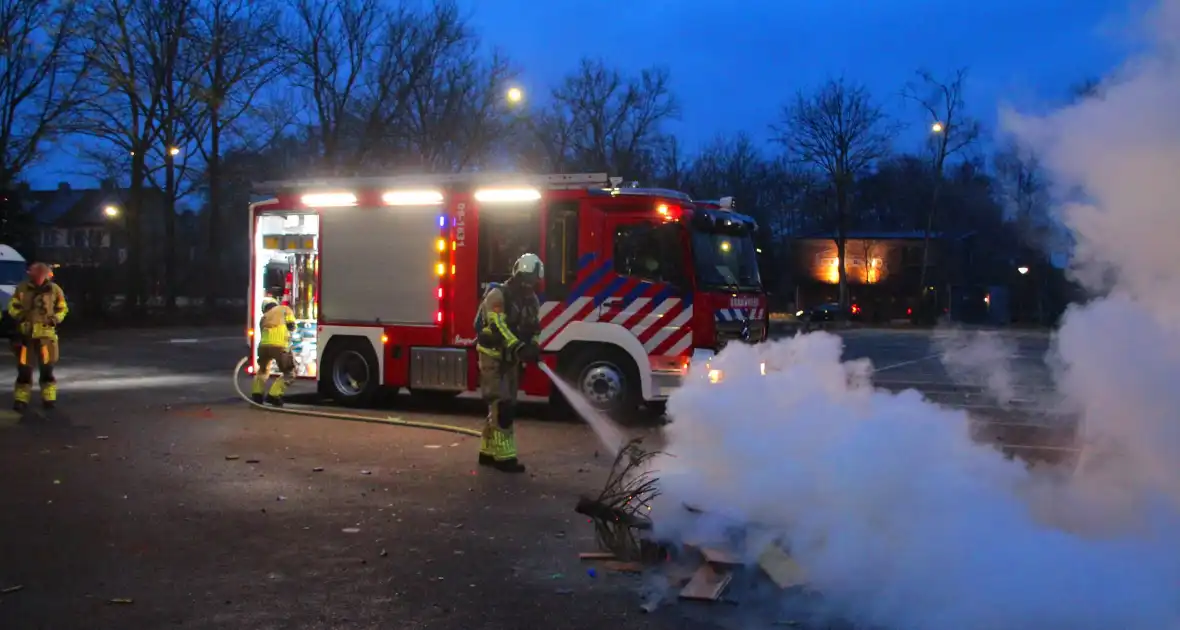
(13, 269)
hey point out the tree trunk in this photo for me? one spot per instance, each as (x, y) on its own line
(134, 221)
(841, 248)
(213, 256)
(170, 234)
(926, 235)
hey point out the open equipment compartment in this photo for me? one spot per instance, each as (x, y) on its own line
(287, 267)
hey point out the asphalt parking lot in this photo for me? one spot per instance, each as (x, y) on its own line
(155, 499)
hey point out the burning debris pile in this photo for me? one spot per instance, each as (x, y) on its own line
(620, 513)
(699, 569)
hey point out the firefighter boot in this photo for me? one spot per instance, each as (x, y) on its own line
(49, 395)
(274, 397)
(257, 387)
(486, 453)
(487, 443)
(504, 445)
(21, 395)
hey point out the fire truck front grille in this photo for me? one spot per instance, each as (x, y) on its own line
(732, 332)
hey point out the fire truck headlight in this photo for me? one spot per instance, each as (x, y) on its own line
(715, 376)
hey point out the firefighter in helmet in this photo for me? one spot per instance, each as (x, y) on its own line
(269, 300)
(508, 331)
(274, 344)
(38, 305)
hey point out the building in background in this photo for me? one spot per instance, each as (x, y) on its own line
(83, 233)
(883, 270)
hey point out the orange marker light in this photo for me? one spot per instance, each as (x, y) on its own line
(384, 339)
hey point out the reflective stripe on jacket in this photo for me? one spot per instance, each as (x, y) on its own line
(277, 324)
(38, 309)
(506, 318)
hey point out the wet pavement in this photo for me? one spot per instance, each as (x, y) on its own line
(154, 499)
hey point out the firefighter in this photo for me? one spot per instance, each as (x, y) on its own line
(507, 338)
(274, 344)
(38, 305)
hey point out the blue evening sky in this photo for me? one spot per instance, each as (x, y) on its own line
(734, 62)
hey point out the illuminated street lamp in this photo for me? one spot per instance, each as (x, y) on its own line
(174, 151)
(936, 127)
(1022, 270)
(515, 95)
(111, 211)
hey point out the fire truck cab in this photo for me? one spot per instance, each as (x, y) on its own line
(386, 276)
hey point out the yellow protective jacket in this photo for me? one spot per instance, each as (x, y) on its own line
(38, 309)
(277, 324)
(509, 322)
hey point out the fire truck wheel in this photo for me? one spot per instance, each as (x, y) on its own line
(608, 379)
(350, 373)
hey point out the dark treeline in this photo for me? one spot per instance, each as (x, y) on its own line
(191, 100)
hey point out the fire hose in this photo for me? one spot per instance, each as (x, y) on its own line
(306, 410)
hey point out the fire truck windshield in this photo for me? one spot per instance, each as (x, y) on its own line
(725, 260)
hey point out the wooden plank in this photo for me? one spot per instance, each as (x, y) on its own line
(596, 555)
(707, 583)
(720, 556)
(781, 568)
(624, 567)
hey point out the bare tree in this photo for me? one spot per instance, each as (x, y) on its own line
(951, 131)
(609, 122)
(395, 86)
(235, 40)
(133, 50)
(839, 131)
(331, 45)
(43, 67)
(456, 105)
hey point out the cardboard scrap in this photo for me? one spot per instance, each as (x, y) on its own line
(781, 567)
(707, 583)
(624, 567)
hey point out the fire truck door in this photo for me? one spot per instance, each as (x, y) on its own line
(646, 272)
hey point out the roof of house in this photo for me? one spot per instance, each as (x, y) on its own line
(73, 207)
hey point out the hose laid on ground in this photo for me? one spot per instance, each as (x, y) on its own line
(304, 410)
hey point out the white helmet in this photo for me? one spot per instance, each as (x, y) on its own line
(529, 264)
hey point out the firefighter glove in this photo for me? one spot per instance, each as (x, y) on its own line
(529, 353)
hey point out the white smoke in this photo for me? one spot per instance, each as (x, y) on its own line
(899, 518)
(981, 357)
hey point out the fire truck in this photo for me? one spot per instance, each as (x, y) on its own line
(386, 276)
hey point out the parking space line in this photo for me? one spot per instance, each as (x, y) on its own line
(910, 362)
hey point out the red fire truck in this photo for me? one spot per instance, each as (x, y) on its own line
(386, 275)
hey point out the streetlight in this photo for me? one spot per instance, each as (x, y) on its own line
(936, 127)
(174, 151)
(1022, 270)
(111, 211)
(515, 95)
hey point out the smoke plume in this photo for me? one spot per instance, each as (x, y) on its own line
(899, 518)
